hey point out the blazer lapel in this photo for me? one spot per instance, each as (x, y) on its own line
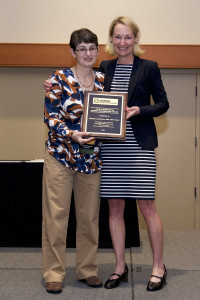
(134, 76)
(109, 74)
(133, 79)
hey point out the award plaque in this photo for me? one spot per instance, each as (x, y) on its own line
(104, 115)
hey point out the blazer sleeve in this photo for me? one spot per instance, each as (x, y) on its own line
(157, 90)
(101, 68)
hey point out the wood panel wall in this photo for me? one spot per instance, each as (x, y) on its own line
(58, 55)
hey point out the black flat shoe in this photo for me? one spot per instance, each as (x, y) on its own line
(113, 283)
(155, 286)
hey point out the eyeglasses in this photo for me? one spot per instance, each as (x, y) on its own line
(84, 50)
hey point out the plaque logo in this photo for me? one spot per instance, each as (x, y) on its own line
(105, 101)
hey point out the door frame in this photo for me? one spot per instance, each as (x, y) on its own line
(197, 134)
(197, 153)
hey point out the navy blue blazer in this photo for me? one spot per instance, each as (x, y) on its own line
(145, 81)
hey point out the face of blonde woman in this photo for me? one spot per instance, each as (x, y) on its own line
(85, 54)
(123, 40)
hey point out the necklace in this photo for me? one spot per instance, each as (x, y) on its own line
(86, 86)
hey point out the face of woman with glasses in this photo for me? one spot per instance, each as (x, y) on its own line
(85, 54)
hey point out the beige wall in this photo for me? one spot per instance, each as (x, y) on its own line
(52, 21)
(177, 157)
(23, 132)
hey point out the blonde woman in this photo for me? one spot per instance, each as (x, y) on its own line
(129, 168)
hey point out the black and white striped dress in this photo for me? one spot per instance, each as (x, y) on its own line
(128, 172)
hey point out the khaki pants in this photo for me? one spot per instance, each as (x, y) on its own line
(58, 182)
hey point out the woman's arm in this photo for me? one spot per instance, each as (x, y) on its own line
(47, 85)
(52, 106)
(132, 111)
(52, 113)
(158, 93)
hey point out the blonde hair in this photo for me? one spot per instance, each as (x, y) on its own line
(133, 26)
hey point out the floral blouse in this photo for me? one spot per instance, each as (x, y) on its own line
(63, 109)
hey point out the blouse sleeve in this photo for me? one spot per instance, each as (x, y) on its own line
(53, 111)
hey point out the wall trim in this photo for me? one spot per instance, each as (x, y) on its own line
(58, 55)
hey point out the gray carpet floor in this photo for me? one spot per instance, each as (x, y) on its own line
(21, 273)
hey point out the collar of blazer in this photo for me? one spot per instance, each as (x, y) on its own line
(134, 75)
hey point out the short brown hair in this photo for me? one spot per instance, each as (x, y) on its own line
(82, 35)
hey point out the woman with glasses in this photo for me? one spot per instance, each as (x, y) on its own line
(66, 167)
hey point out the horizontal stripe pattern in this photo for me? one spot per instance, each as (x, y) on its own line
(128, 172)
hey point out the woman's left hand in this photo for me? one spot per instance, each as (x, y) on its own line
(132, 111)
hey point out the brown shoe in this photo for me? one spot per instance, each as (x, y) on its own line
(92, 281)
(54, 287)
